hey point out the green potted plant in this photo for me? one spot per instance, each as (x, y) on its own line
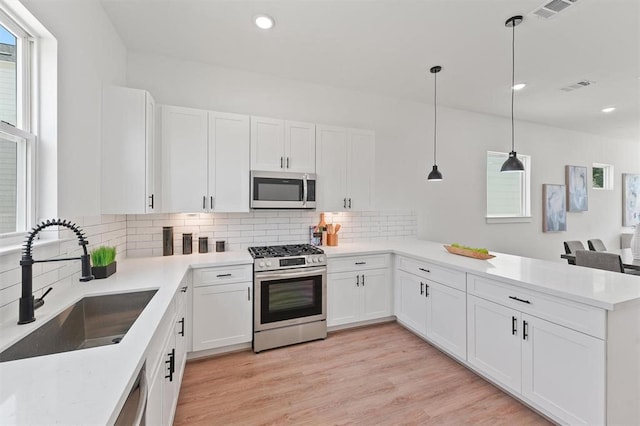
(103, 260)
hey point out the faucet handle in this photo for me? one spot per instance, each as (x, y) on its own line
(40, 301)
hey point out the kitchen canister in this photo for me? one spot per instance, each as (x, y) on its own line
(187, 243)
(203, 244)
(220, 246)
(167, 240)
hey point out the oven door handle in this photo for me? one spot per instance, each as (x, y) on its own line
(304, 190)
(290, 274)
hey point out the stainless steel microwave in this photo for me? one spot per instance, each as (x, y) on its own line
(283, 190)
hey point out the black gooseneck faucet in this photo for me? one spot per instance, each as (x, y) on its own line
(27, 302)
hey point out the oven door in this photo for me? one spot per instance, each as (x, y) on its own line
(294, 296)
(277, 190)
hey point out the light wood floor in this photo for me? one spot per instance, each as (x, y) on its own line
(377, 375)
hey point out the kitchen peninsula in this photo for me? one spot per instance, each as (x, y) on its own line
(588, 317)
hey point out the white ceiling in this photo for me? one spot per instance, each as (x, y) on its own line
(388, 46)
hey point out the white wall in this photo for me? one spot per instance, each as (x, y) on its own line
(452, 210)
(90, 54)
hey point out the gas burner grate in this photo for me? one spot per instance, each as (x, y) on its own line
(284, 250)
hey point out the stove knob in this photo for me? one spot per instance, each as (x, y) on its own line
(314, 260)
(261, 264)
(268, 263)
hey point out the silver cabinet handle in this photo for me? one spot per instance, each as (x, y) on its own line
(305, 190)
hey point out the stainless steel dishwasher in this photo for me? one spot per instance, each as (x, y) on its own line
(132, 413)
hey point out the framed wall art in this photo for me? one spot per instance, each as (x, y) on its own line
(554, 208)
(630, 199)
(577, 195)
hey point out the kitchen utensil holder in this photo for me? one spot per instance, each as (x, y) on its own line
(332, 239)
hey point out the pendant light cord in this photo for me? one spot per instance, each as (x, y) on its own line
(435, 114)
(513, 77)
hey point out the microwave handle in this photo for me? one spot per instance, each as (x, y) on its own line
(304, 190)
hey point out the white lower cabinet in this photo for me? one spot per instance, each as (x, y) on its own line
(166, 362)
(222, 309)
(412, 303)
(557, 369)
(358, 296)
(432, 309)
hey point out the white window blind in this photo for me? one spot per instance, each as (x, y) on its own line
(507, 193)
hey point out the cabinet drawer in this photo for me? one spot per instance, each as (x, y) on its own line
(357, 263)
(222, 275)
(583, 318)
(449, 277)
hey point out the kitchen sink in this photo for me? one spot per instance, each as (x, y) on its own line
(90, 322)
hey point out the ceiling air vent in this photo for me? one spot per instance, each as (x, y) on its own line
(578, 85)
(552, 8)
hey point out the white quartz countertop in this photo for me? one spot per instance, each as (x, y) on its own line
(88, 386)
(602, 289)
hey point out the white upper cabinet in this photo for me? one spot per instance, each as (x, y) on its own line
(345, 160)
(300, 147)
(129, 157)
(184, 159)
(206, 161)
(228, 162)
(278, 145)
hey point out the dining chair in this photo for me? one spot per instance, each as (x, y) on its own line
(599, 260)
(596, 245)
(570, 247)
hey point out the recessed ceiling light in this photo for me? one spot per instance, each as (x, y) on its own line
(264, 22)
(608, 109)
(519, 86)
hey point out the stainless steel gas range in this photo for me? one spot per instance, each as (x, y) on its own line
(290, 295)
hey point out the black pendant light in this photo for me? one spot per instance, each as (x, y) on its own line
(513, 164)
(435, 175)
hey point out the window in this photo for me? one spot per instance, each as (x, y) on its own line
(508, 194)
(602, 176)
(17, 141)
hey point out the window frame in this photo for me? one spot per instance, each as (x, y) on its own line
(525, 192)
(23, 133)
(607, 176)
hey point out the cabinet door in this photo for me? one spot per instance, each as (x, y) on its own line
(413, 303)
(360, 166)
(376, 294)
(563, 371)
(267, 144)
(228, 162)
(447, 318)
(152, 155)
(153, 412)
(170, 386)
(494, 341)
(222, 315)
(331, 167)
(184, 159)
(124, 151)
(181, 339)
(300, 147)
(343, 298)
